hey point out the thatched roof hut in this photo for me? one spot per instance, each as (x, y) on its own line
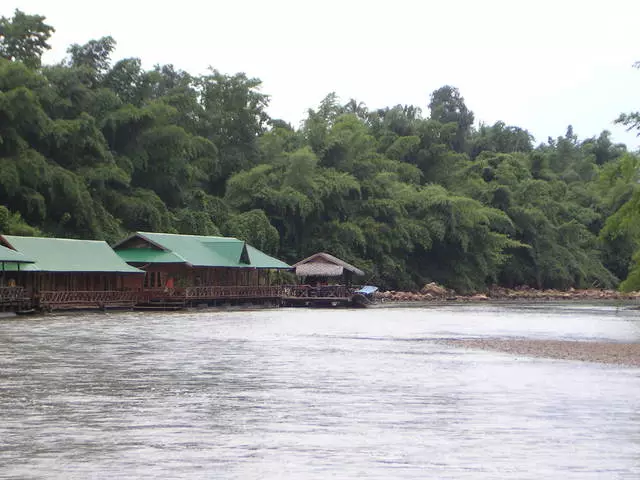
(324, 265)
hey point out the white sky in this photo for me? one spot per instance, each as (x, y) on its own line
(540, 65)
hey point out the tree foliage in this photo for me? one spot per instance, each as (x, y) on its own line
(96, 148)
(24, 38)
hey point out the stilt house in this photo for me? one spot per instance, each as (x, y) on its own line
(323, 268)
(200, 268)
(324, 276)
(66, 273)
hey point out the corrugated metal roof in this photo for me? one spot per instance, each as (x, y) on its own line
(67, 255)
(149, 255)
(319, 269)
(325, 258)
(229, 253)
(8, 255)
(203, 251)
(262, 260)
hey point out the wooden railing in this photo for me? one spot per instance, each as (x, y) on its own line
(326, 291)
(75, 298)
(221, 292)
(51, 300)
(12, 295)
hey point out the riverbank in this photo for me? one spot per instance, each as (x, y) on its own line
(591, 351)
(436, 293)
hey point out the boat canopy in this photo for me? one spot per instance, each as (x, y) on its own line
(367, 290)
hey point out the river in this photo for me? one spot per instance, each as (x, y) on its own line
(315, 394)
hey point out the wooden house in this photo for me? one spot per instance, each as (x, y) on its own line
(66, 273)
(13, 296)
(323, 280)
(200, 269)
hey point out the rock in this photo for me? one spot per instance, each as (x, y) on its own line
(434, 289)
(479, 297)
(435, 292)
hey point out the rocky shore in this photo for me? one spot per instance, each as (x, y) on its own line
(596, 351)
(434, 292)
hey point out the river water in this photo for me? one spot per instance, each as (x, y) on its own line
(315, 394)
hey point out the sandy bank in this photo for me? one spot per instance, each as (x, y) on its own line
(597, 351)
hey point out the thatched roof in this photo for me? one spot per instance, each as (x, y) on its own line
(324, 265)
(318, 269)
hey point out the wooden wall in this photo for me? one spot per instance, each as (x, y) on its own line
(184, 276)
(80, 281)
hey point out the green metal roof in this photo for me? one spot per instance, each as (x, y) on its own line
(148, 255)
(8, 255)
(199, 251)
(67, 255)
(262, 260)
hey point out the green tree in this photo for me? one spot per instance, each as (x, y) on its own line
(447, 106)
(630, 120)
(13, 224)
(96, 148)
(93, 58)
(24, 38)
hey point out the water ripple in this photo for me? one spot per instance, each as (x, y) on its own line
(311, 394)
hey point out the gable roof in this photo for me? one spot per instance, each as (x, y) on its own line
(196, 250)
(260, 258)
(11, 256)
(324, 265)
(67, 255)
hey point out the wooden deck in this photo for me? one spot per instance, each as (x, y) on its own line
(17, 299)
(318, 296)
(233, 292)
(74, 299)
(290, 295)
(174, 298)
(324, 291)
(317, 301)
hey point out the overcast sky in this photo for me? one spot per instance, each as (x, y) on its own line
(540, 65)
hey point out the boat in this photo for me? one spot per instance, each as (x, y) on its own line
(364, 297)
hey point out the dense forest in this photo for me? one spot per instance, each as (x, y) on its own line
(96, 148)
